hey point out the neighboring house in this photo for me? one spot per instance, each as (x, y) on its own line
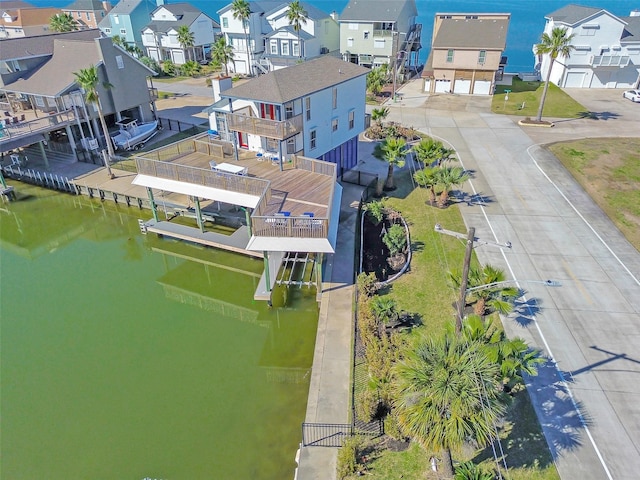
(127, 20)
(315, 109)
(466, 53)
(51, 106)
(19, 19)
(606, 49)
(160, 36)
(320, 35)
(88, 13)
(375, 33)
(21, 57)
(256, 27)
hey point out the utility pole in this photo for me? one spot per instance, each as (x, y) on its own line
(471, 242)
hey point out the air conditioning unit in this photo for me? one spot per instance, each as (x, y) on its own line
(324, 50)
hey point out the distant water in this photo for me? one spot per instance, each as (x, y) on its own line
(527, 18)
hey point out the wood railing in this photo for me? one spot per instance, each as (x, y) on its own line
(201, 176)
(292, 227)
(316, 166)
(44, 124)
(264, 127)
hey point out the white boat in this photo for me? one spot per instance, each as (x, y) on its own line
(132, 136)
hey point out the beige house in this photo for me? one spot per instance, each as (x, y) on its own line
(88, 13)
(466, 53)
(20, 19)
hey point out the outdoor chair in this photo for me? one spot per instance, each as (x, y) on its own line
(15, 121)
(22, 118)
(7, 114)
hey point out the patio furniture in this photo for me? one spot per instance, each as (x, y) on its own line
(230, 168)
(15, 121)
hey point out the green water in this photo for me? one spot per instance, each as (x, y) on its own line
(122, 358)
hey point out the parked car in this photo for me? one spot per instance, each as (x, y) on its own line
(633, 95)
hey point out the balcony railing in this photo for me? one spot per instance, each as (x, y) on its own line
(610, 60)
(13, 130)
(263, 127)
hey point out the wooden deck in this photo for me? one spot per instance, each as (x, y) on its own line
(292, 190)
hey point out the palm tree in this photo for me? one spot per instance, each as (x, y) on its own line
(447, 178)
(186, 39)
(488, 290)
(89, 79)
(242, 11)
(393, 151)
(513, 356)
(379, 114)
(447, 393)
(376, 79)
(428, 150)
(558, 44)
(222, 54)
(63, 22)
(297, 17)
(428, 178)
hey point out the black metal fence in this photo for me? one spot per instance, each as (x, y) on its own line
(357, 177)
(179, 126)
(334, 434)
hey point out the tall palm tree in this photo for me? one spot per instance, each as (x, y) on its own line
(428, 150)
(447, 393)
(448, 177)
(241, 10)
(222, 54)
(186, 39)
(297, 17)
(63, 22)
(428, 178)
(558, 44)
(393, 151)
(89, 80)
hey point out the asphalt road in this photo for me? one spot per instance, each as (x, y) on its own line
(587, 396)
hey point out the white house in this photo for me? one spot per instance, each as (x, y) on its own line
(315, 109)
(273, 43)
(160, 36)
(606, 49)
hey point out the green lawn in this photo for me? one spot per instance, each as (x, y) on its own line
(524, 100)
(424, 290)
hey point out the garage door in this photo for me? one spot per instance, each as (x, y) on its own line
(443, 86)
(427, 86)
(600, 79)
(462, 87)
(178, 57)
(482, 87)
(574, 80)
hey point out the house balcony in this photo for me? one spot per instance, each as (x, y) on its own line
(609, 61)
(263, 127)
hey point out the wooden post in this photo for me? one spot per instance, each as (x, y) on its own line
(196, 200)
(465, 279)
(152, 204)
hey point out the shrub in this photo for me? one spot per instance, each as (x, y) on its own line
(471, 471)
(367, 405)
(348, 457)
(169, 68)
(375, 211)
(190, 68)
(395, 239)
(151, 63)
(392, 428)
(366, 284)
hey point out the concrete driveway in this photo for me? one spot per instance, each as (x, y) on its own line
(587, 396)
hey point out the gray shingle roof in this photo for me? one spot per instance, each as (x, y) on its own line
(376, 10)
(313, 13)
(56, 76)
(572, 14)
(27, 47)
(287, 84)
(256, 7)
(490, 34)
(125, 7)
(631, 31)
(85, 5)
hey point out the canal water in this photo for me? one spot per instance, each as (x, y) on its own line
(126, 356)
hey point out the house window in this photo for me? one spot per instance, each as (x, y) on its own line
(312, 139)
(349, 42)
(116, 19)
(449, 56)
(335, 98)
(589, 29)
(353, 26)
(352, 119)
(225, 22)
(119, 62)
(123, 31)
(88, 16)
(291, 145)
(378, 43)
(149, 38)
(482, 57)
(334, 124)
(284, 47)
(39, 101)
(107, 31)
(288, 110)
(307, 107)
(365, 35)
(274, 47)
(296, 49)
